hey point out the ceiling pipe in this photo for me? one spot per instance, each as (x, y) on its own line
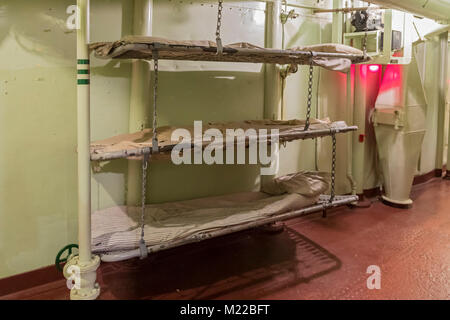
(438, 10)
(347, 10)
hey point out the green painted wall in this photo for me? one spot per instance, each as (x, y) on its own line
(38, 125)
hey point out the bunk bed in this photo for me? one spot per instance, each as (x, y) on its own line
(139, 143)
(155, 141)
(121, 232)
(336, 57)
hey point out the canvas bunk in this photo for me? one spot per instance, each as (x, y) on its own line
(139, 143)
(155, 49)
(336, 57)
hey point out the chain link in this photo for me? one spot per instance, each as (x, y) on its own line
(364, 45)
(310, 85)
(144, 192)
(333, 168)
(145, 158)
(155, 99)
(142, 245)
(219, 24)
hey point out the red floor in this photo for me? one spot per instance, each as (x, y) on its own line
(314, 258)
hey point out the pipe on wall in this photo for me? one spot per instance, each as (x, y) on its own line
(289, 4)
(84, 136)
(139, 117)
(442, 92)
(338, 23)
(272, 78)
(359, 119)
(85, 264)
(447, 174)
(350, 108)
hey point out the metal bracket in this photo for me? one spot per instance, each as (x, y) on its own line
(287, 70)
(284, 17)
(143, 249)
(96, 166)
(219, 46)
(85, 287)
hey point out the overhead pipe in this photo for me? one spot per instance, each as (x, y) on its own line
(284, 2)
(434, 9)
(346, 10)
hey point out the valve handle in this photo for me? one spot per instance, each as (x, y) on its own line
(59, 260)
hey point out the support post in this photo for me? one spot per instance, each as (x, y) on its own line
(272, 78)
(338, 22)
(359, 119)
(139, 117)
(85, 265)
(350, 135)
(442, 95)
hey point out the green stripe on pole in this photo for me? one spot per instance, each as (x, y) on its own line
(83, 61)
(84, 71)
(83, 81)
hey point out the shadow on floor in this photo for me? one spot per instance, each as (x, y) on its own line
(248, 265)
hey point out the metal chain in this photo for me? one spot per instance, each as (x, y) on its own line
(155, 99)
(333, 168)
(219, 24)
(310, 84)
(142, 245)
(364, 44)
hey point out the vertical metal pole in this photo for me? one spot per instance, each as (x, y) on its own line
(359, 119)
(338, 23)
(84, 266)
(83, 126)
(139, 117)
(272, 78)
(272, 81)
(443, 65)
(350, 135)
(387, 39)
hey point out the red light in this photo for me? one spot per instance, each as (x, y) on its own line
(374, 68)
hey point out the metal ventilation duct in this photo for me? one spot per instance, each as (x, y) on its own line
(434, 9)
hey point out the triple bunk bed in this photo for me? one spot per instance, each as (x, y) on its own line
(126, 232)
